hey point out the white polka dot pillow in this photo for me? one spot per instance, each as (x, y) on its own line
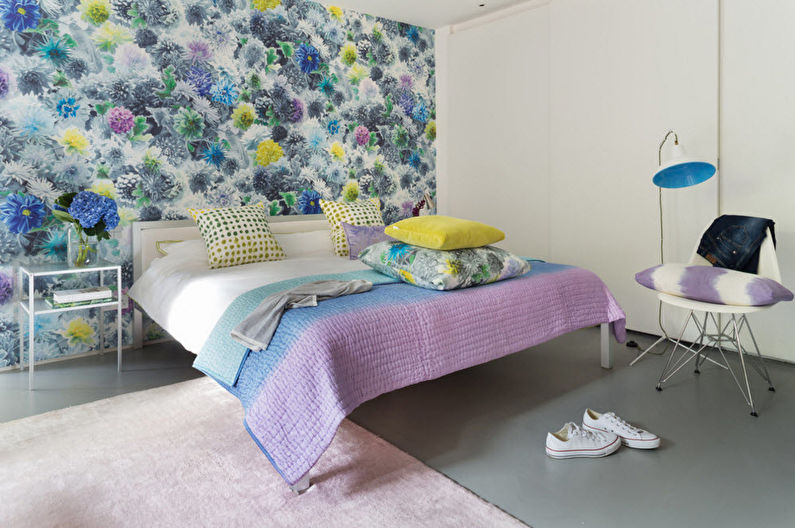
(358, 213)
(237, 235)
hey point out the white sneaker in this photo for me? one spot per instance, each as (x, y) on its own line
(630, 435)
(572, 441)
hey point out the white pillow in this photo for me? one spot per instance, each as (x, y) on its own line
(307, 244)
(186, 249)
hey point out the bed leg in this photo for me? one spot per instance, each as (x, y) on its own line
(607, 351)
(301, 486)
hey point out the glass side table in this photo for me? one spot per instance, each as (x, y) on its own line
(33, 306)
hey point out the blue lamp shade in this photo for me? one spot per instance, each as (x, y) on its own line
(682, 171)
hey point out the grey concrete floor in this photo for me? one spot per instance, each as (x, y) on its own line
(485, 427)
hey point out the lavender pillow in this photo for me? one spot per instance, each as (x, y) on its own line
(360, 237)
(713, 285)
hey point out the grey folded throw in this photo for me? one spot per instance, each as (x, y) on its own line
(256, 330)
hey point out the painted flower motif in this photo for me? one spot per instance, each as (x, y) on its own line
(421, 112)
(6, 288)
(214, 155)
(19, 15)
(22, 212)
(200, 79)
(8, 81)
(31, 120)
(337, 151)
(67, 107)
(400, 136)
(104, 188)
(78, 332)
(55, 50)
(406, 82)
(334, 127)
(120, 120)
(224, 91)
(348, 54)
(414, 160)
(336, 12)
(357, 74)
(264, 5)
(189, 124)
(110, 35)
(268, 152)
(307, 57)
(406, 102)
(198, 51)
(368, 89)
(298, 110)
(397, 251)
(244, 116)
(430, 131)
(56, 244)
(362, 135)
(407, 276)
(350, 192)
(95, 11)
(309, 202)
(130, 58)
(74, 142)
(413, 33)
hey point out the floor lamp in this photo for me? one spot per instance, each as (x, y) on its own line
(678, 172)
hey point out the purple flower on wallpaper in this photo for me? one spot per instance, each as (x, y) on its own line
(407, 208)
(6, 288)
(8, 82)
(121, 120)
(362, 135)
(361, 237)
(200, 79)
(406, 102)
(298, 111)
(406, 82)
(197, 51)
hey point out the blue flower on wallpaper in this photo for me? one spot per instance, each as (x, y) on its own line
(214, 155)
(308, 58)
(22, 212)
(309, 202)
(19, 15)
(224, 91)
(67, 107)
(162, 105)
(6, 288)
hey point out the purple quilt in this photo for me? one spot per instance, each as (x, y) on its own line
(325, 361)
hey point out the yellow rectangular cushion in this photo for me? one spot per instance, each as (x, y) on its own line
(444, 232)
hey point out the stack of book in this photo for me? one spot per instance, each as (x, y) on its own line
(80, 297)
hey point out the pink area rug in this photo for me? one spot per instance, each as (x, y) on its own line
(179, 456)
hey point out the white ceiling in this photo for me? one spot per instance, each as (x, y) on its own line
(426, 13)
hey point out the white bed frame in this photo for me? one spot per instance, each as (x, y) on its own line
(149, 239)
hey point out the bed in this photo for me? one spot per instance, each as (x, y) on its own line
(325, 361)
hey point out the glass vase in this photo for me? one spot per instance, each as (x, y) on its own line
(83, 249)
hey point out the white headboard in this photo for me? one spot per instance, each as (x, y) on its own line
(148, 235)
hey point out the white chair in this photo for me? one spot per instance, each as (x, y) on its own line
(723, 334)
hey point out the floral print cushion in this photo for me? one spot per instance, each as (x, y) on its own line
(443, 270)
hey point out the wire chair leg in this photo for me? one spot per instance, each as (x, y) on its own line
(663, 378)
(760, 359)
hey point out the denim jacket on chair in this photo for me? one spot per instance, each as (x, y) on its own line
(733, 242)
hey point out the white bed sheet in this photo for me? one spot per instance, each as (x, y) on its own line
(186, 298)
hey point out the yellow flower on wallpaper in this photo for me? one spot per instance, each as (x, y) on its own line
(127, 216)
(268, 152)
(336, 12)
(337, 151)
(358, 73)
(74, 142)
(243, 116)
(78, 332)
(264, 5)
(110, 35)
(104, 188)
(430, 131)
(349, 53)
(95, 11)
(351, 191)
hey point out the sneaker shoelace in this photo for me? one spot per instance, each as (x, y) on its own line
(583, 433)
(621, 423)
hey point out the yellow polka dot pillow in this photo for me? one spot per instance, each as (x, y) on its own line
(237, 235)
(358, 213)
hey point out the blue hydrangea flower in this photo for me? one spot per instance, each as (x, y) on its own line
(200, 79)
(19, 15)
(334, 127)
(309, 202)
(224, 91)
(89, 208)
(67, 107)
(214, 155)
(22, 212)
(308, 58)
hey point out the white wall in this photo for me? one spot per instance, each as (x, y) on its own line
(554, 116)
(497, 128)
(758, 139)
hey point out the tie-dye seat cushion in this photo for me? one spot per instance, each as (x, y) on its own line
(713, 285)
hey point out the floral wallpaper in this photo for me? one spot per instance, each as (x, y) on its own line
(169, 104)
